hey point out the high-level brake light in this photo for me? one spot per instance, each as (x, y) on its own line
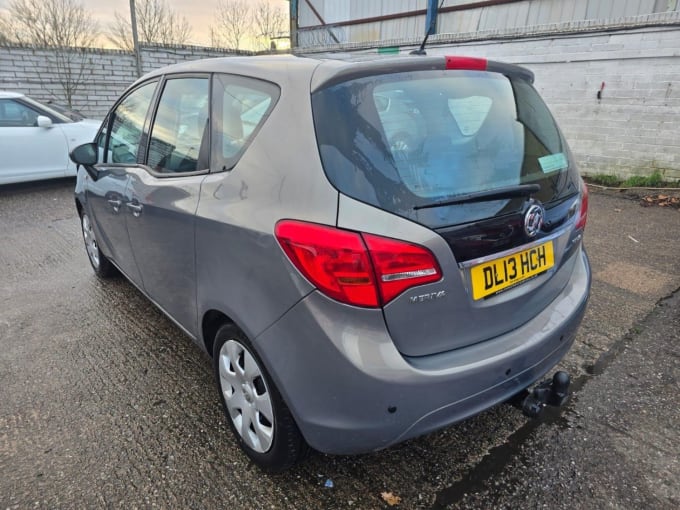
(466, 63)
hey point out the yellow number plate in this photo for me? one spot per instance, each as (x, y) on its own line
(491, 277)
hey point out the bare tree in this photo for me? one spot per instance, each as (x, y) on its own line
(55, 23)
(156, 23)
(62, 26)
(269, 21)
(233, 24)
(5, 30)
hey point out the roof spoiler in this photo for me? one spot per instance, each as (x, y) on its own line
(340, 71)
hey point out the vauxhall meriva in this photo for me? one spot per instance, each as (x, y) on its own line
(369, 250)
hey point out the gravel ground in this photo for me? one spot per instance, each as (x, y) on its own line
(105, 403)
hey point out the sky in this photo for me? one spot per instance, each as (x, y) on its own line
(199, 13)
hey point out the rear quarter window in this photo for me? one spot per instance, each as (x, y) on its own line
(241, 106)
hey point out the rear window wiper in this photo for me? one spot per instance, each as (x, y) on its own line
(521, 190)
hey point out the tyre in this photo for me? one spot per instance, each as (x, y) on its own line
(256, 413)
(101, 265)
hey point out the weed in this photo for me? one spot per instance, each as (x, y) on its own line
(604, 180)
(654, 180)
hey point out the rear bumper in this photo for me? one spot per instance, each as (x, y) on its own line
(351, 391)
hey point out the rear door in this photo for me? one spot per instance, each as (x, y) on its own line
(471, 164)
(163, 196)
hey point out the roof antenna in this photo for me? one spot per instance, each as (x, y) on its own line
(431, 24)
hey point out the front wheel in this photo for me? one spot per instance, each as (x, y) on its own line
(258, 417)
(101, 265)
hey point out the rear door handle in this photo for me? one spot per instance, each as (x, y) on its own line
(115, 204)
(135, 208)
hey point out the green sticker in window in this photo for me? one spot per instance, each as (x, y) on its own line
(553, 162)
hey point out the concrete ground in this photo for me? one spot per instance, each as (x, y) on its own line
(105, 403)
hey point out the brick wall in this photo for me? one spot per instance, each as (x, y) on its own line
(30, 70)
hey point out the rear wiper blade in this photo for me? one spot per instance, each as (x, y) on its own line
(521, 190)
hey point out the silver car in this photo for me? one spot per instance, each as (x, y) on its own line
(352, 292)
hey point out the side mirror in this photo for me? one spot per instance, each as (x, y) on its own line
(86, 155)
(43, 121)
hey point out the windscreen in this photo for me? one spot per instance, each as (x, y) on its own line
(406, 140)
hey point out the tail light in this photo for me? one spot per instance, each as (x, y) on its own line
(583, 211)
(400, 265)
(354, 268)
(335, 261)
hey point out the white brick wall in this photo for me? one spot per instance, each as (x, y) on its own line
(30, 70)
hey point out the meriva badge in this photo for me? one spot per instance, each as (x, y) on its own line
(533, 220)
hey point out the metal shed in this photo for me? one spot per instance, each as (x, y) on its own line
(323, 23)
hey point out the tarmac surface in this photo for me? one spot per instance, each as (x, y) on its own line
(105, 403)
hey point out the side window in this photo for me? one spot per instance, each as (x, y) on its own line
(15, 114)
(241, 106)
(180, 132)
(127, 123)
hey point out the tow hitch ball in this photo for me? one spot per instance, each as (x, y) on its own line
(551, 392)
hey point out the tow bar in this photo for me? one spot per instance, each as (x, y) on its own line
(551, 392)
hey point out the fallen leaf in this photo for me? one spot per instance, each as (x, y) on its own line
(390, 498)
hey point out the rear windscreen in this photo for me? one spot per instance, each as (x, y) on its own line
(404, 140)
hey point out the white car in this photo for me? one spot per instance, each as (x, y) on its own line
(35, 139)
